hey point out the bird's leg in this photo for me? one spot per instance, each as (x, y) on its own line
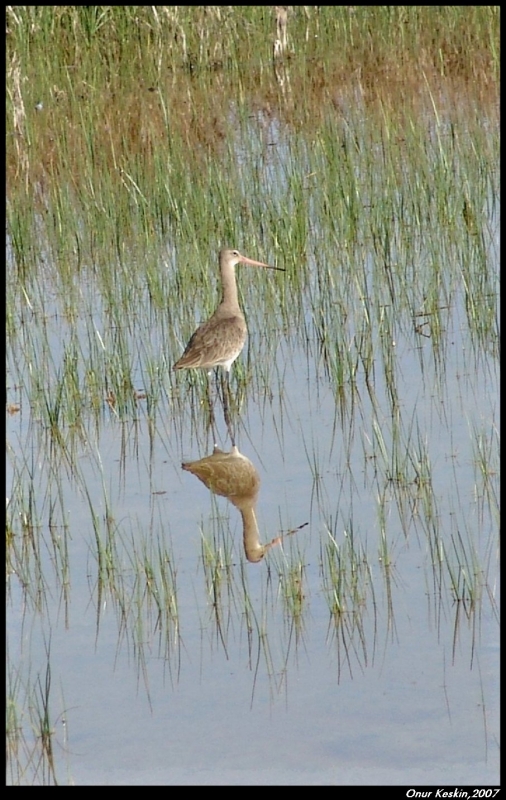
(211, 402)
(225, 388)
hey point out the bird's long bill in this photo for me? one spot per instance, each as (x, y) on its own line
(253, 263)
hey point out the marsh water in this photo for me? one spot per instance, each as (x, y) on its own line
(363, 647)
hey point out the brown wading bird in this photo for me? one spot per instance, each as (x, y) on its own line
(218, 342)
(233, 476)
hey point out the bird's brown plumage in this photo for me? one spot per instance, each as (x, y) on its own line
(219, 340)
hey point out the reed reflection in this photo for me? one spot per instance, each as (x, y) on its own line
(233, 476)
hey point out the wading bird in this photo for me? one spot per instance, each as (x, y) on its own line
(219, 340)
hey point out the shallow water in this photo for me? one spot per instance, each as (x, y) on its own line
(408, 695)
(382, 671)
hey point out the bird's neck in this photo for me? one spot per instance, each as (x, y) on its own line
(230, 295)
(251, 535)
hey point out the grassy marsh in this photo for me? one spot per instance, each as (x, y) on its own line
(139, 141)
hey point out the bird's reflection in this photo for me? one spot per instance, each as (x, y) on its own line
(233, 476)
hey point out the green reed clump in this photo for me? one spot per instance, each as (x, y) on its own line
(31, 728)
(153, 605)
(260, 622)
(25, 542)
(217, 562)
(294, 587)
(485, 445)
(347, 581)
(139, 576)
(464, 574)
